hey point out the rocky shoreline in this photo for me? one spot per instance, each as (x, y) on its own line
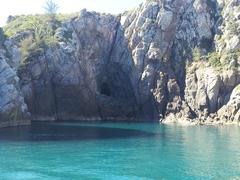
(197, 122)
(15, 123)
(172, 60)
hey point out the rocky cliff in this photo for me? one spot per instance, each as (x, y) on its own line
(168, 61)
(13, 109)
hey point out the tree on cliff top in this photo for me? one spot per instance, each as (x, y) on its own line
(51, 7)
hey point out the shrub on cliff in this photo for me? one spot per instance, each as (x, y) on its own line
(29, 47)
(51, 7)
(42, 33)
(42, 28)
(214, 59)
(196, 54)
(230, 59)
(30, 22)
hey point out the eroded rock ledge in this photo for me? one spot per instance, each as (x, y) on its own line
(168, 61)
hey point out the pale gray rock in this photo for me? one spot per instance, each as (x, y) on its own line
(230, 113)
(207, 89)
(233, 43)
(13, 110)
(133, 66)
(87, 76)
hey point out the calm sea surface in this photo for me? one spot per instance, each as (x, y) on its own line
(116, 151)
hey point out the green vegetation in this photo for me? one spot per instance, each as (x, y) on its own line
(34, 22)
(51, 7)
(42, 33)
(218, 60)
(214, 59)
(51, 10)
(196, 54)
(41, 30)
(29, 47)
(227, 57)
(238, 88)
(233, 28)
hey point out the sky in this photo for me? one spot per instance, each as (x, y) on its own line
(19, 7)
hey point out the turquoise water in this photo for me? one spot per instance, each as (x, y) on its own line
(128, 151)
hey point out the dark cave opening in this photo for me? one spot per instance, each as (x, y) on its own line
(105, 90)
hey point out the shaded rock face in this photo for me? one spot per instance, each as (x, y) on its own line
(13, 110)
(134, 66)
(85, 77)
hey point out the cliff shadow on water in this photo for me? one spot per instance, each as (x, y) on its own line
(55, 131)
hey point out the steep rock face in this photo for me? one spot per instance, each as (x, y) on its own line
(161, 34)
(229, 38)
(86, 76)
(150, 31)
(13, 110)
(231, 111)
(140, 65)
(207, 89)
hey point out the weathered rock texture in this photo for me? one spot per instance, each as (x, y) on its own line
(207, 89)
(84, 77)
(134, 66)
(231, 111)
(13, 110)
